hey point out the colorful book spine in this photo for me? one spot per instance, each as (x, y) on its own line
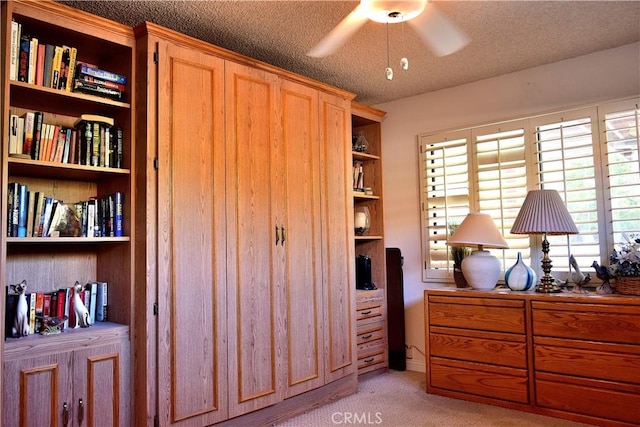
(23, 59)
(101, 74)
(29, 126)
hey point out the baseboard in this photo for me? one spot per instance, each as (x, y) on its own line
(416, 365)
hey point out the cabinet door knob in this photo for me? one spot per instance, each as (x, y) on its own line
(80, 412)
(65, 414)
(277, 235)
(282, 235)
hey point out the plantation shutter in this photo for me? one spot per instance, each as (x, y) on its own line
(501, 165)
(445, 197)
(565, 150)
(620, 134)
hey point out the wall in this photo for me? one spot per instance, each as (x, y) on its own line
(605, 75)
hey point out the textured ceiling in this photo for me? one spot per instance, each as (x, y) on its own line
(506, 36)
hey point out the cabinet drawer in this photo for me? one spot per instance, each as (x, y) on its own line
(588, 399)
(592, 322)
(509, 385)
(479, 349)
(369, 311)
(477, 313)
(373, 356)
(590, 360)
(370, 332)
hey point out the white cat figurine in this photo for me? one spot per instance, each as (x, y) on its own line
(81, 312)
(21, 321)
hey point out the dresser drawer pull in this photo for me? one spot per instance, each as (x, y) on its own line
(369, 360)
(364, 313)
(366, 337)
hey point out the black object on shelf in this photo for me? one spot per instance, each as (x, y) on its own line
(363, 273)
(395, 310)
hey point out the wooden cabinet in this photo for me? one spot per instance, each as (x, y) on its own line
(87, 385)
(366, 122)
(564, 355)
(49, 263)
(246, 202)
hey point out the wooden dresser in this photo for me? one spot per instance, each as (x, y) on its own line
(572, 356)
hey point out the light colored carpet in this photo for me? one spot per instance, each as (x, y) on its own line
(398, 399)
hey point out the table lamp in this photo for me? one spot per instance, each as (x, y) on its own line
(544, 212)
(480, 269)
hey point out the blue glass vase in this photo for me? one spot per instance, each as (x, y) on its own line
(520, 277)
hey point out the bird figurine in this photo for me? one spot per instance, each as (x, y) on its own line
(578, 277)
(602, 273)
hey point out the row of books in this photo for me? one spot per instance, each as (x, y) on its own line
(33, 214)
(93, 141)
(57, 67)
(43, 306)
(358, 176)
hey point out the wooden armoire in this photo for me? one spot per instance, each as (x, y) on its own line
(244, 194)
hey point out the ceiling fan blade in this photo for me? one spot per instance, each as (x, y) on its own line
(340, 34)
(439, 33)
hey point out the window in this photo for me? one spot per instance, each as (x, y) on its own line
(589, 155)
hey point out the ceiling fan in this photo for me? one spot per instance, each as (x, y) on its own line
(441, 35)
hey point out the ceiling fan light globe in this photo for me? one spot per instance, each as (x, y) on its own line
(389, 73)
(404, 63)
(392, 12)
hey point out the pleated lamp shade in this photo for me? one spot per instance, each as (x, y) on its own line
(543, 211)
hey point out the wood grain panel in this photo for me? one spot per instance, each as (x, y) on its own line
(191, 236)
(480, 383)
(338, 253)
(303, 241)
(593, 363)
(588, 323)
(588, 400)
(255, 263)
(501, 352)
(102, 382)
(35, 389)
(483, 317)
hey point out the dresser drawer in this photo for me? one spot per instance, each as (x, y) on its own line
(593, 322)
(497, 349)
(369, 311)
(488, 314)
(476, 379)
(611, 362)
(370, 332)
(588, 398)
(371, 355)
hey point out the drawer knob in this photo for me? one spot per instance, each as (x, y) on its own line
(365, 312)
(366, 337)
(369, 360)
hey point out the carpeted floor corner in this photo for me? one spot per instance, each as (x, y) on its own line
(398, 399)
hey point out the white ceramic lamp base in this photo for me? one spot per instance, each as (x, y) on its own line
(481, 270)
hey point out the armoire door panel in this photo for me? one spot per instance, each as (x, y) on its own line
(255, 234)
(339, 281)
(191, 236)
(304, 238)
